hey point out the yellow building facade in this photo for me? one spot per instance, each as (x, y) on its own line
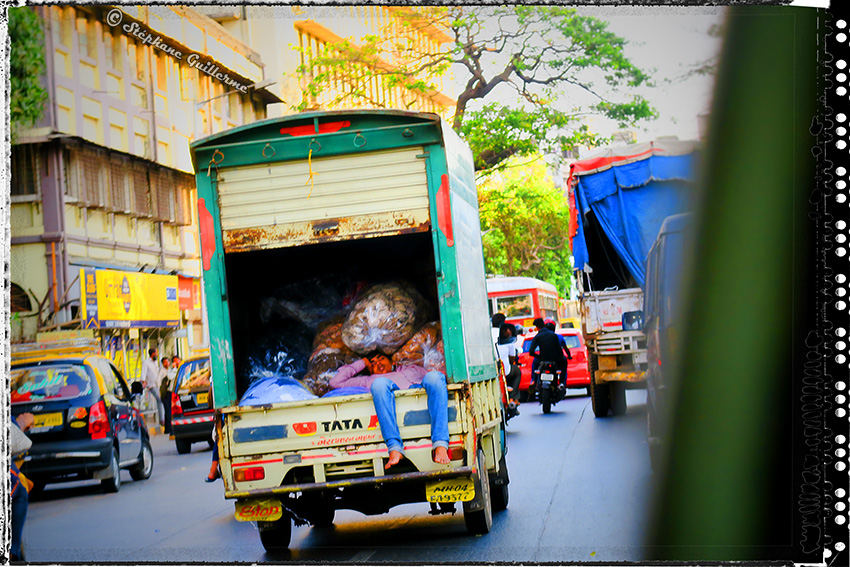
(103, 181)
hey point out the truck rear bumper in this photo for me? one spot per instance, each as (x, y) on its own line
(372, 480)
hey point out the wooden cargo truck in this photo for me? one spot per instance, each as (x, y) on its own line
(316, 194)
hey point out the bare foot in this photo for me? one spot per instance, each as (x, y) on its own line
(395, 457)
(441, 455)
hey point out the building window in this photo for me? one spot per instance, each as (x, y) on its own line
(25, 170)
(141, 200)
(20, 301)
(161, 73)
(187, 79)
(118, 185)
(112, 51)
(87, 35)
(138, 61)
(162, 190)
(62, 25)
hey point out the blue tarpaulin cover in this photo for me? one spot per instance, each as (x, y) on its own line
(630, 199)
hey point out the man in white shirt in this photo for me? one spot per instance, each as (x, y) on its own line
(152, 373)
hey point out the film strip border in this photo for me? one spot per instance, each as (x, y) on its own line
(833, 174)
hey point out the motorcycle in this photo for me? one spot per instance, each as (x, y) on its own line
(548, 384)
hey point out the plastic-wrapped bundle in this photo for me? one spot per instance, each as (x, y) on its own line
(275, 389)
(308, 301)
(413, 351)
(435, 358)
(329, 336)
(384, 318)
(282, 351)
(323, 366)
(347, 391)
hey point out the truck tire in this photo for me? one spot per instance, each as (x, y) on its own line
(183, 446)
(617, 392)
(546, 399)
(113, 483)
(480, 520)
(599, 393)
(275, 536)
(499, 486)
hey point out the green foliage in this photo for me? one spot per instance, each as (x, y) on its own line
(525, 224)
(497, 132)
(544, 53)
(26, 66)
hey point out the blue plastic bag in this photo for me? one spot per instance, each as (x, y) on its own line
(275, 389)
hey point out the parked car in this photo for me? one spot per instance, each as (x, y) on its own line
(578, 372)
(192, 411)
(86, 425)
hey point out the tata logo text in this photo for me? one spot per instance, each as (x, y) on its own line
(307, 428)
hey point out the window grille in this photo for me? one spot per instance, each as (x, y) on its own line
(118, 185)
(140, 192)
(20, 300)
(92, 178)
(25, 170)
(162, 190)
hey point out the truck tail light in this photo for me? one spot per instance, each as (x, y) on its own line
(249, 473)
(98, 421)
(456, 453)
(176, 408)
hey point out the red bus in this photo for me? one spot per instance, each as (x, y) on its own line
(521, 299)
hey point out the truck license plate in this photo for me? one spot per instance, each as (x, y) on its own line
(203, 398)
(451, 490)
(266, 510)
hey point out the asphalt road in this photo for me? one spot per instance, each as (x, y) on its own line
(580, 491)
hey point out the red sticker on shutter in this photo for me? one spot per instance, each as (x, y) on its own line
(207, 229)
(444, 211)
(310, 130)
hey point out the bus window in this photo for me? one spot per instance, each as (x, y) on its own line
(514, 305)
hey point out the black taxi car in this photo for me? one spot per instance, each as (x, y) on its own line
(86, 425)
(192, 410)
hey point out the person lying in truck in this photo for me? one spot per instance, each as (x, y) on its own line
(376, 372)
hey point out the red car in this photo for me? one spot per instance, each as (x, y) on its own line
(578, 372)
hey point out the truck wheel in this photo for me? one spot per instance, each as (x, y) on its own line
(617, 392)
(499, 486)
(113, 483)
(479, 521)
(183, 446)
(546, 399)
(599, 398)
(275, 536)
(143, 470)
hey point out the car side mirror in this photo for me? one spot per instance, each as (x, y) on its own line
(136, 388)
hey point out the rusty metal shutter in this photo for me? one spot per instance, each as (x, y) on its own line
(347, 196)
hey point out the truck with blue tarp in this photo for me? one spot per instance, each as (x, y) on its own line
(312, 200)
(619, 198)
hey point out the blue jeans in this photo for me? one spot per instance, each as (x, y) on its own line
(20, 503)
(383, 396)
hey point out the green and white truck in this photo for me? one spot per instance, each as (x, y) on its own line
(315, 194)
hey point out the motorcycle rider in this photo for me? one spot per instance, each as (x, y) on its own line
(547, 345)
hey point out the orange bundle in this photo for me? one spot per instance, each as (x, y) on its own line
(413, 351)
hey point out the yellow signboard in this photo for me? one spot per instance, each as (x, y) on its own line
(129, 299)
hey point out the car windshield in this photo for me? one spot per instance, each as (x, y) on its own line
(49, 383)
(194, 374)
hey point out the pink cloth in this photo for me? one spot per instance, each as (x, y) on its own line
(349, 376)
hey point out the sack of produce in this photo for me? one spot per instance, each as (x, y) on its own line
(413, 351)
(435, 358)
(384, 318)
(275, 389)
(329, 336)
(323, 365)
